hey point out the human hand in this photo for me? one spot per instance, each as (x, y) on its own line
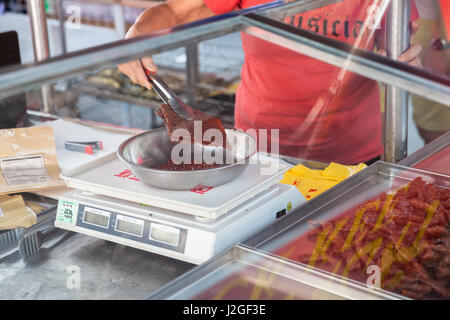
(135, 69)
(410, 56)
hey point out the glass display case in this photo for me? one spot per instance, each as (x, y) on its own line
(311, 77)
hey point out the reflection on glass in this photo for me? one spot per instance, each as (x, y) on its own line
(252, 283)
(323, 112)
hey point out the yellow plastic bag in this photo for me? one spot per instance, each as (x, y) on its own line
(312, 182)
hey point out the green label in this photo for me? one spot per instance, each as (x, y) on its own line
(289, 206)
(67, 211)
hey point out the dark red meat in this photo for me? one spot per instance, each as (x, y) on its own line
(406, 234)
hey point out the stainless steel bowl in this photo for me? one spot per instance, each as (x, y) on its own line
(147, 151)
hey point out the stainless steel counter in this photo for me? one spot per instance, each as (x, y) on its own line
(106, 270)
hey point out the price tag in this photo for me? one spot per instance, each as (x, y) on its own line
(67, 211)
(24, 170)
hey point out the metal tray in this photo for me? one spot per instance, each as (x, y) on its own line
(435, 156)
(242, 273)
(285, 234)
(368, 183)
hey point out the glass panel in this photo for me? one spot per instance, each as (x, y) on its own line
(365, 25)
(360, 24)
(316, 100)
(87, 23)
(109, 96)
(320, 111)
(432, 118)
(433, 157)
(308, 108)
(436, 162)
(246, 274)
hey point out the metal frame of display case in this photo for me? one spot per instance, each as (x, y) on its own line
(258, 21)
(202, 277)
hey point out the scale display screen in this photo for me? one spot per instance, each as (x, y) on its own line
(130, 228)
(165, 234)
(96, 217)
(130, 225)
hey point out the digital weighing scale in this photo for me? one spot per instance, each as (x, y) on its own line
(112, 204)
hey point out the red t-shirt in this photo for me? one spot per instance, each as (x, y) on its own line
(322, 112)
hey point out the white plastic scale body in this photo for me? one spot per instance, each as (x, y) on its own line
(112, 204)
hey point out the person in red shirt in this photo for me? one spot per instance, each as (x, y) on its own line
(322, 112)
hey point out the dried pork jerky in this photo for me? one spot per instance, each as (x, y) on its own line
(405, 234)
(173, 121)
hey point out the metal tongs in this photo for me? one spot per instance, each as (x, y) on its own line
(167, 95)
(83, 146)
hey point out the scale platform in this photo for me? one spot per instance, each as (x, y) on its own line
(111, 177)
(169, 233)
(112, 204)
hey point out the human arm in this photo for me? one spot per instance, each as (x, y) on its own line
(166, 15)
(411, 55)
